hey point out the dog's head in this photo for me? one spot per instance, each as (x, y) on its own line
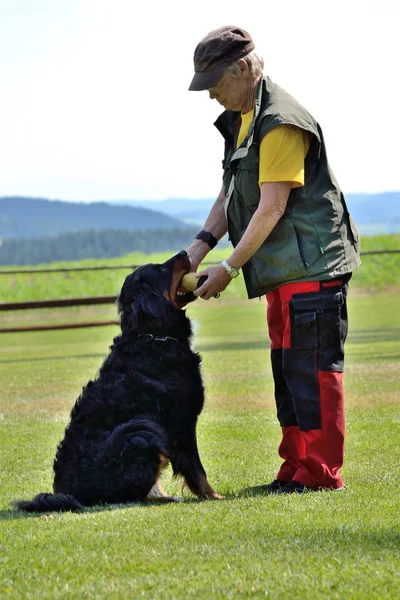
(151, 300)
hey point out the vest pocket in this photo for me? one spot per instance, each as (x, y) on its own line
(281, 258)
(352, 226)
(301, 247)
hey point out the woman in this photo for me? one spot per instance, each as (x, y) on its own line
(295, 242)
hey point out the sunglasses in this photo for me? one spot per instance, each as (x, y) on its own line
(219, 82)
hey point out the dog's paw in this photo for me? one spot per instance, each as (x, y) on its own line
(216, 496)
(154, 499)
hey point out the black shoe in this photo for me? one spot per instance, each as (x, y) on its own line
(274, 487)
(269, 488)
(295, 487)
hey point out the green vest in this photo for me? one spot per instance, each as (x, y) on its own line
(316, 238)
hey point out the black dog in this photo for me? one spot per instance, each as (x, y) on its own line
(141, 411)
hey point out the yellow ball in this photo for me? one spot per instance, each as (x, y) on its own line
(189, 282)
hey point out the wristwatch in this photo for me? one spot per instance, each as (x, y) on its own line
(232, 272)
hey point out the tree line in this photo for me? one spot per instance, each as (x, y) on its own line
(106, 243)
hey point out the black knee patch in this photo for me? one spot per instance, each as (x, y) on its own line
(283, 398)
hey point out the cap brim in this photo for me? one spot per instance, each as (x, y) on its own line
(204, 80)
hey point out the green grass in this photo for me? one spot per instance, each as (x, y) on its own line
(377, 272)
(323, 545)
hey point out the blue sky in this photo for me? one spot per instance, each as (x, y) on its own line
(94, 102)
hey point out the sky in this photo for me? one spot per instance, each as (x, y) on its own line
(94, 101)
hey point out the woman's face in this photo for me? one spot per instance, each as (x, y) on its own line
(235, 91)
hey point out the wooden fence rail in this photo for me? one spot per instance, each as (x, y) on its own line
(59, 326)
(62, 302)
(79, 269)
(133, 267)
(85, 301)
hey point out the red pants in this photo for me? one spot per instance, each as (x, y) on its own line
(307, 325)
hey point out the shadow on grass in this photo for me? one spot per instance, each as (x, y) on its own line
(359, 336)
(224, 346)
(260, 490)
(369, 336)
(13, 514)
(41, 358)
(373, 357)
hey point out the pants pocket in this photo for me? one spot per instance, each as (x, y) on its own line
(329, 328)
(316, 319)
(319, 321)
(303, 330)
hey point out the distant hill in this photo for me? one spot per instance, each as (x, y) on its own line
(189, 211)
(32, 217)
(373, 213)
(34, 231)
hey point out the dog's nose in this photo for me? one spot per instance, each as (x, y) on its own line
(182, 253)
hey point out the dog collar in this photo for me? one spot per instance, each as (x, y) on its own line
(157, 338)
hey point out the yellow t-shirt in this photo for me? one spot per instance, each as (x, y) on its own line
(282, 152)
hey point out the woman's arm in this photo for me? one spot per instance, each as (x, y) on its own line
(215, 224)
(273, 200)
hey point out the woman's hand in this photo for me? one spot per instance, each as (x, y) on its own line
(217, 280)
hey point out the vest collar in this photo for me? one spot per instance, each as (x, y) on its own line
(243, 149)
(228, 122)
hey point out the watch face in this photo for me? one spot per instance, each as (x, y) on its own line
(232, 272)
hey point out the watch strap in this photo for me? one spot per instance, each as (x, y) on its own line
(232, 272)
(207, 237)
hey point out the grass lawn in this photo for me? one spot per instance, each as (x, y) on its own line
(324, 545)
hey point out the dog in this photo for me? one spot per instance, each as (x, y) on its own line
(141, 411)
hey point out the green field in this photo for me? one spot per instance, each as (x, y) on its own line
(323, 545)
(378, 272)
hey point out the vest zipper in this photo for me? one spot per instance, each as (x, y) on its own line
(300, 247)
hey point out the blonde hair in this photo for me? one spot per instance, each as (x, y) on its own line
(254, 62)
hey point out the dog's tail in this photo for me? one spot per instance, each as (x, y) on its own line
(134, 453)
(126, 469)
(49, 503)
(139, 436)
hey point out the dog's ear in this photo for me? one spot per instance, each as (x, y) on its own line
(144, 306)
(155, 304)
(124, 294)
(148, 305)
(133, 293)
